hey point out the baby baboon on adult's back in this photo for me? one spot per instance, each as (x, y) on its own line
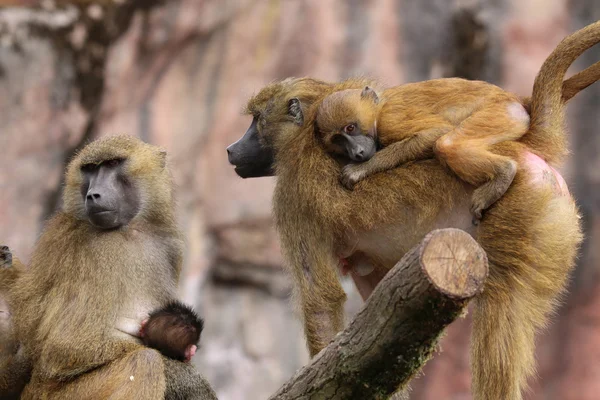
(459, 119)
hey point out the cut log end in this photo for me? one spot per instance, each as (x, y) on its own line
(454, 263)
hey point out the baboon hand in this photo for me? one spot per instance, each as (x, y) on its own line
(352, 174)
(189, 352)
(5, 257)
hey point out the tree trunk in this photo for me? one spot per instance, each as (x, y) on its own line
(397, 331)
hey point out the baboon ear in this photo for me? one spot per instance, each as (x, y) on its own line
(369, 93)
(295, 111)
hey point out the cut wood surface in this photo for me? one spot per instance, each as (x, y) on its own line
(389, 341)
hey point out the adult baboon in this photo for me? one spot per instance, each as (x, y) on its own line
(101, 265)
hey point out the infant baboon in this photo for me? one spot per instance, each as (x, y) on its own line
(174, 330)
(458, 119)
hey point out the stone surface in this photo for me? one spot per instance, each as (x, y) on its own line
(177, 73)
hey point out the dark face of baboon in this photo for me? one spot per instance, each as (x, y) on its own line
(346, 123)
(251, 157)
(111, 200)
(275, 110)
(116, 180)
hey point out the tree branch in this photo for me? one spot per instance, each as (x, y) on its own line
(397, 331)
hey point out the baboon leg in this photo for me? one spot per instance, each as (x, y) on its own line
(319, 292)
(323, 311)
(466, 150)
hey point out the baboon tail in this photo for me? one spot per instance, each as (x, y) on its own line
(546, 136)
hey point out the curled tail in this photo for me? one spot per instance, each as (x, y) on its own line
(580, 81)
(546, 135)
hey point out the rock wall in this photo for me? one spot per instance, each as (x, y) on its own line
(177, 73)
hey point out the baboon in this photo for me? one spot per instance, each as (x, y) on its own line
(174, 330)
(101, 264)
(460, 119)
(15, 368)
(531, 234)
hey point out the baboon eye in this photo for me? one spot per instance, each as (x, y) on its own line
(113, 163)
(88, 167)
(349, 128)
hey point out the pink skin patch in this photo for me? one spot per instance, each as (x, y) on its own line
(344, 266)
(189, 352)
(544, 174)
(142, 325)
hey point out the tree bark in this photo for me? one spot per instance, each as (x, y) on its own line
(398, 329)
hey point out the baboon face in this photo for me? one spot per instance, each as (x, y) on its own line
(111, 200)
(277, 110)
(117, 179)
(251, 157)
(346, 123)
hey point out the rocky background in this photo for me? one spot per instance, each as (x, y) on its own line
(177, 73)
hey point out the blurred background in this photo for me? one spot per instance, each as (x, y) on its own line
(177, 73)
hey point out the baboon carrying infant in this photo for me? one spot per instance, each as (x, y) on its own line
(531, 234)
(101, 266)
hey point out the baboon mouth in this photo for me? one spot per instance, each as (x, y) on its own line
(252, 171)
(243, 172)
(102, 212)
(104, 219)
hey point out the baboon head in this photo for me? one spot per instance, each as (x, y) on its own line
(278, 109)
(115, 180)
(346, 123)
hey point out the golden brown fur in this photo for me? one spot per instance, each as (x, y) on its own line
(529, 268)
(14, 366)
(458, 118)
(83, 282)
(550, 142)
(270, 105)
(531, 235)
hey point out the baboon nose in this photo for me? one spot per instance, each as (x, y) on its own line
(230, 156)
(93, 197)
(359, 155)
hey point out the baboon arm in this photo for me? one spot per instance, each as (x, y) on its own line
(315, 270)
(61, 359)
(416, 147)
